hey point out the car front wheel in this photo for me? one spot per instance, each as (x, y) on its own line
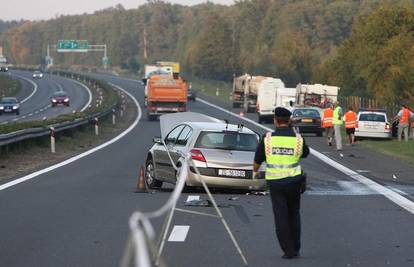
(150, 179)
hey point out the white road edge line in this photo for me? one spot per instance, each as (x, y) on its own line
(386, 192)
(84, 154)
(30, 81)
(179, 233)
(87, 90)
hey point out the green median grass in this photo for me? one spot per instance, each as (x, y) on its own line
(209, 88)
(394, 148)
(9, 86)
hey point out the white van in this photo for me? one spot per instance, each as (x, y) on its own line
(266, 98)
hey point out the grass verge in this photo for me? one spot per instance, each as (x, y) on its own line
(394, 148)
(217, 89)
(9, 86)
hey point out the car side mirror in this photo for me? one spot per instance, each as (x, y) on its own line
(157, 140)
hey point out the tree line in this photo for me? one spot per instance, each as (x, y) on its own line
(363, 46)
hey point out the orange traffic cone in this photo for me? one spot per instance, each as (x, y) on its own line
(141, 186)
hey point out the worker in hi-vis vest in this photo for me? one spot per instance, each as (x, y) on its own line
(337, 122)
(350, 119)
(282, 151)
(327, 123)
(403, 118)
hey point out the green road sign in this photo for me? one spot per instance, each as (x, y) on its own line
(72, 46)
(105, 60)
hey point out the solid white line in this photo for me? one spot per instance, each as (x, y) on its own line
(58, 85)
(30, 81)
(192, 198)
(179, 233)
(386, 192)
(84, 154)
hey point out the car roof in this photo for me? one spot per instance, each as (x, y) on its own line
(217, 126)
(372, 112)
(9, 98)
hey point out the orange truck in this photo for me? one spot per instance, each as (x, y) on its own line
(165, 95)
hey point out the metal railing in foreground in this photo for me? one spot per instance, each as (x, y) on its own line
(142, 250)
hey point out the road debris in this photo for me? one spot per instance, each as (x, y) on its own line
(198, 203)
(258, 193)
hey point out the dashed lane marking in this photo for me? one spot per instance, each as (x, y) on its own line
(179, 233)
(84, 154)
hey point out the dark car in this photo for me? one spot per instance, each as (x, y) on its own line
(191, 94)
(4, 69)
(60, 98)
(9, 105)
(307, 120)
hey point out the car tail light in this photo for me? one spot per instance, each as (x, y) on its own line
(356, 124)
(387, 126)
(197, 155)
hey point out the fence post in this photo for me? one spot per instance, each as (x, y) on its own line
(52, 140)
(113, 116)
(96, 120)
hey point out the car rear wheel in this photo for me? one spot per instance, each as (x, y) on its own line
(150, 179)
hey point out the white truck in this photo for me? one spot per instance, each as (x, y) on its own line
(268, 97)
(316, 95)
(245, 89)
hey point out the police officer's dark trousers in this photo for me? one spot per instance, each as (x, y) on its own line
(286, 204)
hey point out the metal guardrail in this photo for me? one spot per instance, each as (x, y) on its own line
(31, 133)
(25, 134)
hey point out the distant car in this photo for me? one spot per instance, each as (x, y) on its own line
(60, 98)
(191, 94)
(223, 153)
(9, 105)
(373, 123)
(37, 75)
(4, 69)
(307, 120)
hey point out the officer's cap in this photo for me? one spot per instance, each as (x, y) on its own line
(282, 113)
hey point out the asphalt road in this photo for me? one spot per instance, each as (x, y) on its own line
(77, 215)
(36, 96)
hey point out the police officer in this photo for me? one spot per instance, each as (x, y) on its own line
(282, 151)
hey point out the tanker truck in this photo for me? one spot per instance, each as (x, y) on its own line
(244, 92)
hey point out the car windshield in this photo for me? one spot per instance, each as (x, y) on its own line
(9, 101)
(60, 94)
(311, 113)
(372, 117)
(37, 72)
(227, 140)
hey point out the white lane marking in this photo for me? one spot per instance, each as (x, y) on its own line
(58, 85)
(84, 154)
(24, 117)
(355, 188)
(34, 87)
(31, 114)
(192, 198)
(179, 233)
(15, 119)
(5, 122)
(386, 192)
(87, 90)
(362, 171)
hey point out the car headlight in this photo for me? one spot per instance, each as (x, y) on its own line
(66, 100)
(41, 75)
(1, 107)
(53, 100)
(15, 107)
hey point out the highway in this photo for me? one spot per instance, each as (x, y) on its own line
(35, 97)
(77, 214)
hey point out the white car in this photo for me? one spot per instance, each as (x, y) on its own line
(373, 123)
(37, 75)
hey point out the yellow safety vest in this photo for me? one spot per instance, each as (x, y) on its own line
(336, 118)
(283, 154)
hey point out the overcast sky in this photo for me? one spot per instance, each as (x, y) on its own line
(46, 9)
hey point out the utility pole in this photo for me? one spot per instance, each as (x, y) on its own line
(145, 43)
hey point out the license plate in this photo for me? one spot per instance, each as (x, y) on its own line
(232, 173)
(306, 120)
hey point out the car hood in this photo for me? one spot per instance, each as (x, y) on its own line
(228, 158)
